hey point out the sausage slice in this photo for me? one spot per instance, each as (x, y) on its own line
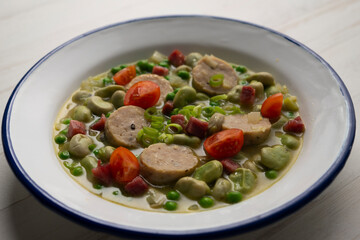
(209, 66)
(164, 84)
(163, 164)
(123, 125)
(255, 131)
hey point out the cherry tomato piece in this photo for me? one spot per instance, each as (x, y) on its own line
(224, 144)
(124, 76)
(124, 165)
(143, 94)
(271, 108)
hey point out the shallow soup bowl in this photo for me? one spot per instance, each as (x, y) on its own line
(326, 109)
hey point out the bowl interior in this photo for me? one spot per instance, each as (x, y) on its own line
(45, 88)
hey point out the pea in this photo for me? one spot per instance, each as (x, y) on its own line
(241, 69)
(64, 155)
(170, 96)
(97, 186)
(145, 66)
(164, 64)
(107, 81)
(76, 171)
(271, 174)
(96, 152)
(115, 193)
(92, 147)
(233, 197)
(66, 121)
(60, 138)
(206, 202)
(114, 70)
(173, 195)
(170, 205)
(167, 77)
(184, 75)
(64, 131)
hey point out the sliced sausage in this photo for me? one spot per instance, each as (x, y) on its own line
(123, 125)
(209, 66)
(163, 164)
(164, 84)
(256, 129)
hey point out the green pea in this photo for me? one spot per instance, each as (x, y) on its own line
(241, 69)
(233, 197)
(184, 75)
(164, 64)
(206, 202)
(64, 155)
(107, 81)
(60, 138)
(97, 186)
(170, 96)
(173, 195)
(115, 193)
(145, 66)
(66, 121)
(92, 147)
(64, 131)
(170, 205)
(271, 174)
(96, 152)
(76, 171)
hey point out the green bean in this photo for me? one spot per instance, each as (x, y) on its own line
(244, 180)
(82, 114)
(221, 188)
(192, 188)
(184, 96)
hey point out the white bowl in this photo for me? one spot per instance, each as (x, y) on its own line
(326, 109)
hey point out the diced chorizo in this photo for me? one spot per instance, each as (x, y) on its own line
(102, 173)
(229, 165)
(295, 125)
(247, 96)
(196, 127)
(100, 124)
(179, 119)
(76, 127)
(176, 58)
(161, 71)
(136, 187)
(167, 108)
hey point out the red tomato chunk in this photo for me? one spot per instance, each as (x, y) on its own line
(196, 127)
(143, 94)
(124, 165)
(179, 119)
(176, 58)
(271, 107)
(224, 144)
(167, 108)
(124, 76)
(161, 71)
(100, 124)
(296, 125)
(247, 96)
(76, 127)
(136, 187)
(229, 165)
(103, 173)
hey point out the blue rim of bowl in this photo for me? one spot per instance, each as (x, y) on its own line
(238, 227)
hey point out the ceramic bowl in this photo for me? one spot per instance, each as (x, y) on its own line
(326, 109)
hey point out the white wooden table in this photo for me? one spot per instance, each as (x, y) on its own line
(31, 28)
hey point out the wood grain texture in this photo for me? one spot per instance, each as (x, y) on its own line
(30, 29)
